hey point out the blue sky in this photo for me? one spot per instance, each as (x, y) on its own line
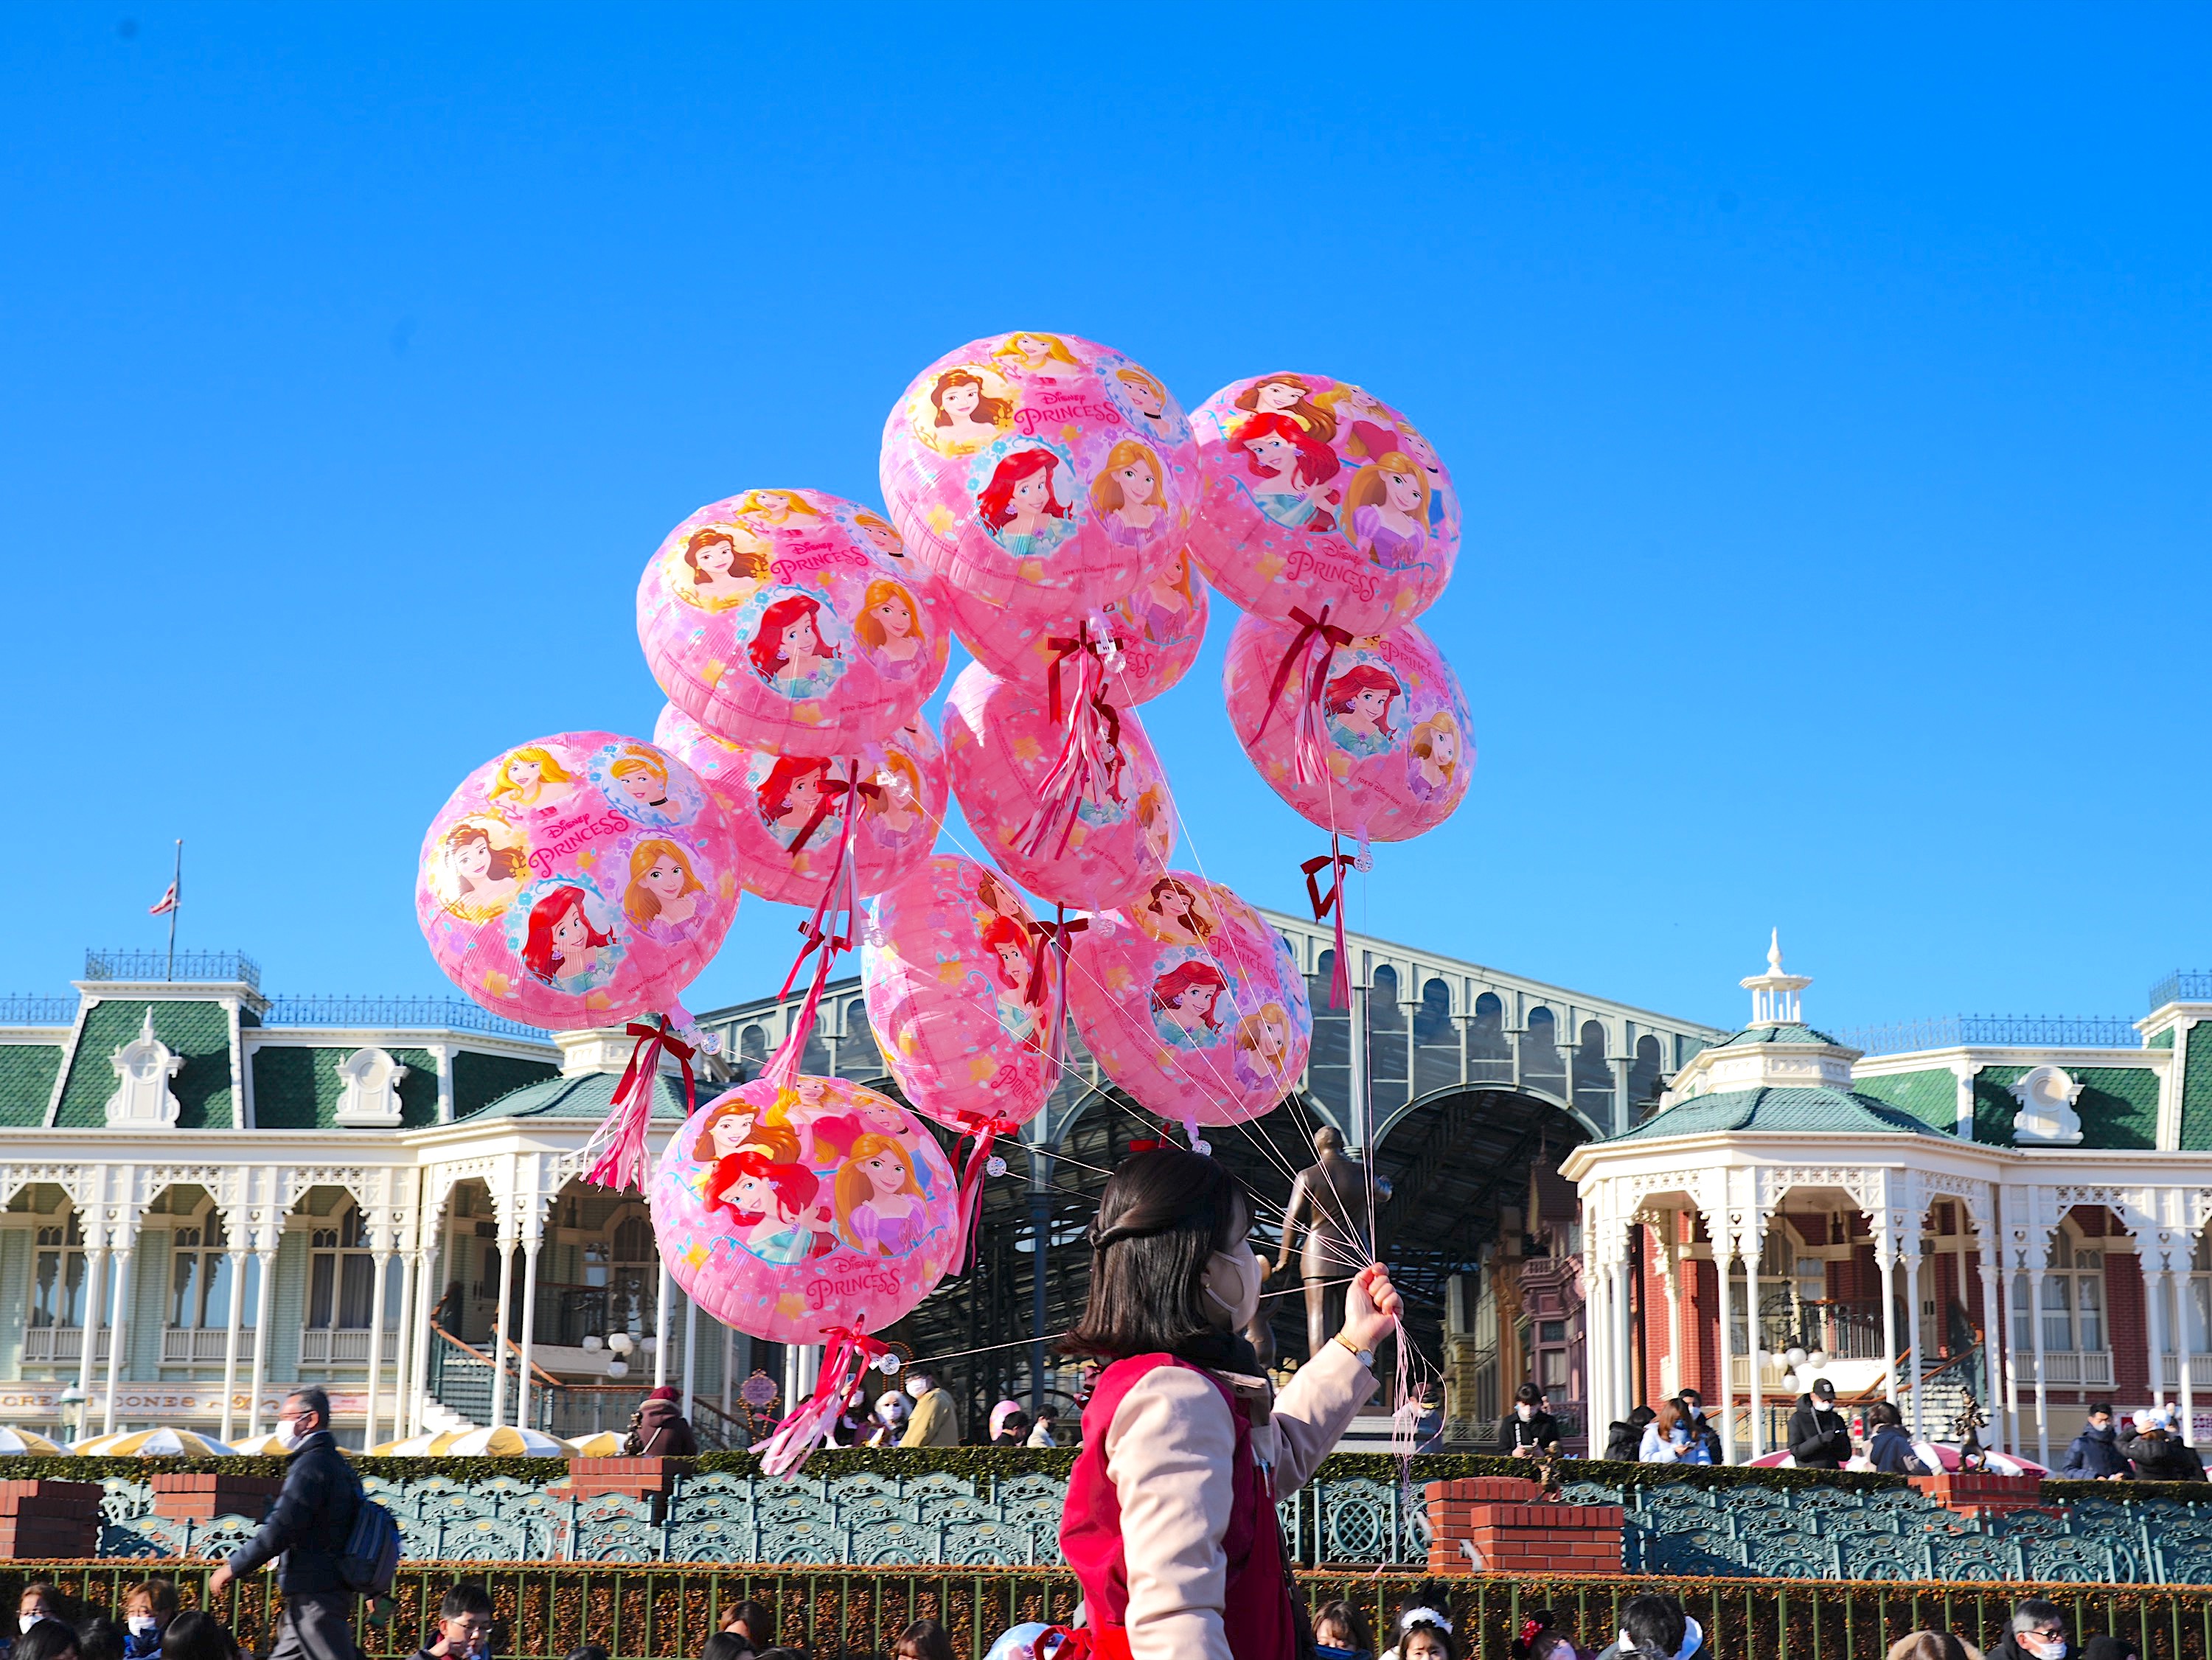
(1828, 396)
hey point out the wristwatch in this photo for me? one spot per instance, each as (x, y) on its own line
(1365, 1356)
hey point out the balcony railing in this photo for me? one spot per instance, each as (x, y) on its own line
(2200, 1371)
(322, 1346)
(25, 1010)
(1841, 1330)
(2182, 985)
(55, 1345)
(2068, 1368)
(441, 1014)
(2032, 1031)
(230, 966)
(200, 1346)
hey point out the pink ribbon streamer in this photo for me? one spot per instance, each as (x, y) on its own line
(625, 1161)
(987, 1131)
(829, 930)
(1331, 906)
(1089, 764)
(1310, 651)
(807, 1426)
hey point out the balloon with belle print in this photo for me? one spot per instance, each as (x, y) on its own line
(792, 1211)
(1321, 500)
(1192, 1002)
(793, 620)
(788, 812)
(1039, 474)
(958, 992)
(1085, 827)
(1391, 746)
(575, 880)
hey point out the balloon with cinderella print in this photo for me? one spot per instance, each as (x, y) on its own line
(960, 986)
(1154, 635)
(788, 812)
(792, 1211)
(1370, 737)
(1321, 499)
(1044, 476)
(1079, 812)
(793, 620)
(1192, 1002)
(578, 880)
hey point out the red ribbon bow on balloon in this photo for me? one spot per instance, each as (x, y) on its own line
(829, 930)
(986, 1131)
(1089, 764)
(832, 790)
(1330, 905)
(1315, 643)
(622, 1162)
(848, 1353)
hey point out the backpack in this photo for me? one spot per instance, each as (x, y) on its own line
(371, 1556)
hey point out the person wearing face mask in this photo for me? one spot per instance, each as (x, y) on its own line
(1170, 1521)
(1654, 1627)
(936, 1419)
(1819, 1437)
(2037, 1631)
(308, 1525)
(1527, 1430)
(38, 1601)
(891, 1410)
(147, 1608)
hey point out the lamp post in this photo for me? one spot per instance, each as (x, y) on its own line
(71, 1403)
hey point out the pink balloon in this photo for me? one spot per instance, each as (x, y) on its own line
(1090, 848)
(1043, 473)
(771, 799)
(786, 1212)
(792, 621)
(1319, 495)
(1155, 630)
(947, 962)
(1391, 729)
(1192, 1002)
(580, 880)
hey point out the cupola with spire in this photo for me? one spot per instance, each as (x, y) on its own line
(1777, 1050)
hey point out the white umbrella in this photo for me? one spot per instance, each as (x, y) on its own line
(414, 1446)
(262, 1447)
(501, 1441)
(162, 1443)
(599, 1444)
(18, 1443)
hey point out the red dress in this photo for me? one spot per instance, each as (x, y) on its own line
(1256, 1615)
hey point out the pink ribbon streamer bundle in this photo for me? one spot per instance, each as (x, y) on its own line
(986, 1132)
(1089, 764)
(624, 1159)
(807, 1426)
(1309, 655)
(829, 930)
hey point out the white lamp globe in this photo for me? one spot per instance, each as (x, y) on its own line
(619, 1341)
(1789, 1383)
(618, 1368)
(1817, 1359)
(592, 1342)
(649, 1345)
(1795, 1359)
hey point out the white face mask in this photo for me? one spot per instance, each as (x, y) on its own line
(2044, 1648)
(1523, 1411)
(26, 1621)
(1232, 1280)
(287, 1431)
(917, 1387)
(140, 1623)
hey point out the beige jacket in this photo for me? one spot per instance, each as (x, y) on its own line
(935, 1422)
(1167, 1454)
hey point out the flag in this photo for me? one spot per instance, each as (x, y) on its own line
(168, 903)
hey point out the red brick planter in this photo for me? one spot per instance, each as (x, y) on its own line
(49, 1518)
(635, 1478)
(1515, 1529)
(1976, 1494)
(204, 1497)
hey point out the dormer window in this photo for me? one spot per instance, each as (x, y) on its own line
(371, 1098)
(143, 1068)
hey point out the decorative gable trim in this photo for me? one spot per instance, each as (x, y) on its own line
(143, 1068)
(371, 1079)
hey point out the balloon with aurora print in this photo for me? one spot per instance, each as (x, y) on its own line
(958, 991)
(577, 880)
(1321, 499)
(1192, 1002)
(793, 620)
(792, 1211)
(788, 812)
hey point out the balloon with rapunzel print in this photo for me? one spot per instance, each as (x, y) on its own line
(578, 880)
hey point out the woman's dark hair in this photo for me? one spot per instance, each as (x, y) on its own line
(589, 1652)
(1163, 1213)
(759, 1623)
(726, 1645)
(1884, 1411)
(1655, 1625)
(194, 1635)
(1942, 1645)
(925, 1639)
(1642, 1416)
(99, 1638)
(50, 1639)
(1437, 1600)
(2100, 1647)
(1343, 1614)
(1528, 1395)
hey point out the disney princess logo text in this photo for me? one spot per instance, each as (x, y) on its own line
(820, 1293)
(1049, 409)
(814, 556)
(570, 836)
(1357, 580)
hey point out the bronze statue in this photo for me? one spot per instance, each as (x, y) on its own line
(1330, 1197)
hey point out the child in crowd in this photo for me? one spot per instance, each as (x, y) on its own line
(1543, 1636)
(1340, 1634)
(464, 1621)
(99, 1638)
(925, 1639)
(193, 1635)
(147, 1608)
(1424, 1630)
(1654, 1628)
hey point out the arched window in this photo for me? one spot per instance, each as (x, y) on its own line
(1643, 1074)
(1594, 1074)
(199, 1274)
(57, 1286)
(341, 1278)
(857, 1054)
(1539, 1052)
(1489, 1051)
(1386, 1043)
(1436, 1040)
(1329, 1065)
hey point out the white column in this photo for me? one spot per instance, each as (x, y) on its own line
(1723, 1260)
(1597, 1336)
(1624, 1356)
(2184, 1326)
(265, 1278)
(380, 1265)
(1911, 1263)
(2042, 1389)
(95, 1316)
(499, 1333)
(1994, 1333)
(117, 1334)
(1755, 1244)
(1675, 1299)
(403, 1392)
(415, 1343)
(690, 1349)
(661, 1332)
(2155, 1282)
(1885, 1259)
(237, 1260)
(530, 1249)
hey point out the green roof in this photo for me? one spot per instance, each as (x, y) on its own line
(1799, 1112)
(198, 1031)
(1792, 1033)
(588, 1095)
(27, 1071)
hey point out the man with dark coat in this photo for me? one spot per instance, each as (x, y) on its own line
(2095, 1454)
(1527, 1430)
(309, 1526)
(2160, 1456)
(1819, 1437)
(659, 1429)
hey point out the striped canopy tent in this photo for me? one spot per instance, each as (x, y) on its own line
(262, 1447)
(162, 1443)
(600, 1443)
(504, 1441)
(15, 1443)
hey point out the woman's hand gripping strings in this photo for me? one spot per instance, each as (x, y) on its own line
(1371, 1308)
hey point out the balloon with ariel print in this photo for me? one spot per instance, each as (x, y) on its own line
(788, 812)
(959, 991)
(1192, 1002)
(1077, 811)
(575, 880)
(1155, 632)
(793, 620)
(1041, 474)
(1322, 502)
(791, 1212)
(1369, 737)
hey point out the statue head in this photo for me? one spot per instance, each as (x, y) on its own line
(1326, 1140)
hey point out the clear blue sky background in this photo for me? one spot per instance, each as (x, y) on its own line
(1829, 398)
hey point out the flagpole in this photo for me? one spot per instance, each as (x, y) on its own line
(176, 888)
